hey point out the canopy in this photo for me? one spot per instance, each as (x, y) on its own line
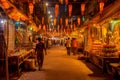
(110, 10)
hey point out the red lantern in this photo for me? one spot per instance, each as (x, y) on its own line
(44, 8)
(42, 20)
(56, 10)
(3, 1)
(82, 8)
(44, 27)
(66, 1)
(70, 9)
(78, 20)
(61, 1)
(40, 26)
(66, 21)
(101, 6)
(31, 6)
(60, 20)
(55, 21)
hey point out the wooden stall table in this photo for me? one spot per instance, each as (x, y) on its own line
(115, 70)
(16, 59)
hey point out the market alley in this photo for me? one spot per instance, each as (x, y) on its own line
(59, 66)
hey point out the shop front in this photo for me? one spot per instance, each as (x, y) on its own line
(102, 37)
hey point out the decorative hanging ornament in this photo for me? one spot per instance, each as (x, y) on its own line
(82, 8)
(78, 20)
(44, 27)
(56, 10)
(55, 21)
(3, 1)
(61, 1)
(70, 9)
(66, 21)
(31, 6)
(44, 8)
(61, 21)
(42, 20)
(101, 6)
(6, 5)
(66, 1)
(40, 27)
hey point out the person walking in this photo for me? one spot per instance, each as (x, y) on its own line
(74, 45)
(68, 46)
(40, 49)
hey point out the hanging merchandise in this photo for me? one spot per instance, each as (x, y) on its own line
(6, 5)
(66, 21)
(48, 20)
(40, 27)
(31, 6)
(78, 20)
(3, 1)
(44, 27)
(61, 1)
(56, 10)
(66, 2)
(101, 6)
(61, 21)
(55, 21)
(42, 20)
(58, 28)
(82, 8)
(70, 9)
(44, 5)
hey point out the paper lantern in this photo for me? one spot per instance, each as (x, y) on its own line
(55, 21)
(60, 20)
(66, 21)
(56, 10)
(70, 9)
(78, 20)
(44, 8)
(6, 5)
(31, 6)
(66, 2)
(44, 27)
(40, 26)
(82, 8)
(61, 1)
(101, 6)
(42, 20)
(2, 1)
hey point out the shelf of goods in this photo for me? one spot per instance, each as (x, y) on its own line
(109, 50)
(97, 57)
(17, 58)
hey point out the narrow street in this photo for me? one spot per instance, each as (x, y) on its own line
(59, 66)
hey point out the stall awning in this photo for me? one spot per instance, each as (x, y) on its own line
(12, 11)
(110, 10)
(16, 14)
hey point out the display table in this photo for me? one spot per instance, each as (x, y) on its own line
(115, 70)
(16, 59)
(102, 61)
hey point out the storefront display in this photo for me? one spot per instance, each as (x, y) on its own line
(102, 39)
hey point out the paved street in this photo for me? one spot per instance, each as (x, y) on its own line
(59, 66)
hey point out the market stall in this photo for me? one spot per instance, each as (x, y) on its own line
(16, 60)
(102, 37)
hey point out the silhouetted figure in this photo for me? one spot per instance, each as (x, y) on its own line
(40, 49)
(68, 46)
